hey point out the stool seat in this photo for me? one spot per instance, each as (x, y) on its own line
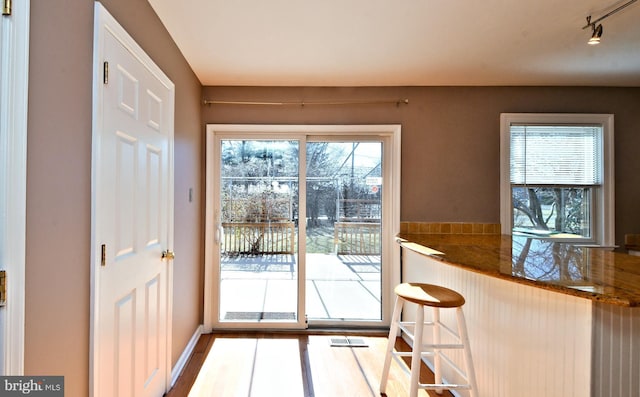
(429, 295)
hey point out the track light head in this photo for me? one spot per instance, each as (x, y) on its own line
(596, 34)
(596, 28)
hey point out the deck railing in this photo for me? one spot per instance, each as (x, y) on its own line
(254, 238)
(258, 238)
(357, 238)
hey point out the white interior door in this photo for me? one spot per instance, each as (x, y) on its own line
(132, 212)
(14, 64)
(4, 234)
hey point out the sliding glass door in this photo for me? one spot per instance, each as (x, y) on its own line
(298, 230)
(344, 214)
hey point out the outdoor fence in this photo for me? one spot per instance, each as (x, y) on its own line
(259, 238)
(255, 238)
(357, 238)
(359, 210)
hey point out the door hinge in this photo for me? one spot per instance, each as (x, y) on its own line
(6, 7)
(3, 288)
(105, 72)
(103, 255)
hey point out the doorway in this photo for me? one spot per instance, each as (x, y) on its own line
(300, 222)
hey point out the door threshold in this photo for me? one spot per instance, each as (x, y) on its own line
(350, 331)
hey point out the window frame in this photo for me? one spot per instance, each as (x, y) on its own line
(603, 233)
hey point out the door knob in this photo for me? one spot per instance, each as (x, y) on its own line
(167, 254)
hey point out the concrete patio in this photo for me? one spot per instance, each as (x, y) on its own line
(264, 288)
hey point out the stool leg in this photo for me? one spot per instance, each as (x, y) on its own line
(393, 334)
(468, 361)
(416, 355)
(437, 367)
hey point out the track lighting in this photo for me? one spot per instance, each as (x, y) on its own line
(595, 36)
(596, 28)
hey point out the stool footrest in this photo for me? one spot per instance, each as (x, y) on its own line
(408, 328)
(431, 386)
(396, 355)
(442, 346)
(436, 346)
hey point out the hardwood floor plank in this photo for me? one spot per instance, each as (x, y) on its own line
(188, 376)
(290, 365)
(228, 369)
(334, 370)
(277, 369)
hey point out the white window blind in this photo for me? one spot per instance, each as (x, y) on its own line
(556, 154)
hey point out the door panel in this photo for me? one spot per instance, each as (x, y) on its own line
(125, 182)
(132, 211)
(153, 211)
(344, 228)
(258, 251)
(153, 329)
(124, 381)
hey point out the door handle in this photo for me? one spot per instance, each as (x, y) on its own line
(219, 231)
(167, 254)
(219, 234)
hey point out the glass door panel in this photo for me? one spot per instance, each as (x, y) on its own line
(258, 234)
(343, 232)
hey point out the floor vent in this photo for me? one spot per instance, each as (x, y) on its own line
(348, 342)
(257, 316)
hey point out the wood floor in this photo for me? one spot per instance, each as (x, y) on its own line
(290, 365)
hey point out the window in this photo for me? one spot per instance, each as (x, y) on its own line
(557, 176)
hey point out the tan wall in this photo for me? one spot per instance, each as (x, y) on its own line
(451, 137)
(59, 184)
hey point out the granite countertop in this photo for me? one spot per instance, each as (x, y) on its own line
(591, 273)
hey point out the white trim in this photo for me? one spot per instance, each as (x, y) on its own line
(13, 163)
(186, 355)
(105, 23)
(391, 134)
(605, 222)
(212, 227)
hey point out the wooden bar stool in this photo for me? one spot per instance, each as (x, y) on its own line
(437, 298)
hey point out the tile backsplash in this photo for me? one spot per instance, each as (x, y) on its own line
(449, 228)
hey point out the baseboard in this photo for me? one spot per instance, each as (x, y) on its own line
(184, 357)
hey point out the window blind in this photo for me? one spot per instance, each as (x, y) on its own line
(556, 154)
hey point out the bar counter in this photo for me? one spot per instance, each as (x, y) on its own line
(592, 273)
(544, 318)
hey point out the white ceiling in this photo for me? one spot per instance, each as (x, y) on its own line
(404, 42)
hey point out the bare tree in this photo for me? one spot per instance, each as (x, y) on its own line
(541, 205)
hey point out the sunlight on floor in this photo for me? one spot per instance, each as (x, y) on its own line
(251, 367)
(296, 366)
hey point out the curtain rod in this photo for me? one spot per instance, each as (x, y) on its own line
(396, 102)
